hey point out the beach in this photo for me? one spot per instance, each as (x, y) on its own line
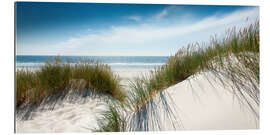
(67, 116)
(201, 105)
(81, 68)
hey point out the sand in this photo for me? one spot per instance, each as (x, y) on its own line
(200, 105)
(70, 116)
(129, 74)
(65, 117)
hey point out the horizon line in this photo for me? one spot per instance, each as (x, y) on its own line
(96, 55)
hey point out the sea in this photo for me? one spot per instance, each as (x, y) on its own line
(115, 62)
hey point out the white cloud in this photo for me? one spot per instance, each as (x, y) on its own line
(146, 32)
(149, 35)
(163, 13)
(134, 18)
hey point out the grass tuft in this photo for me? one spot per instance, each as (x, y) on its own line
(112, 120)
(32, 87)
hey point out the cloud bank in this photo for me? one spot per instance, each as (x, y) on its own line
(158, 40)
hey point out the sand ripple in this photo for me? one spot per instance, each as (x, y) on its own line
(66, 117)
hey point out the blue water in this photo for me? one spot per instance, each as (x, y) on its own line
(116, 62)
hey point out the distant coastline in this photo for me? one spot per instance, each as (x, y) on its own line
(116, 62)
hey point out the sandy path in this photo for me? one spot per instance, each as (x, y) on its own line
(127, 74)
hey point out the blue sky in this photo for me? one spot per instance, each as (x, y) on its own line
(95, 29)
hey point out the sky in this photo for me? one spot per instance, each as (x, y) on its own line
(96, 29)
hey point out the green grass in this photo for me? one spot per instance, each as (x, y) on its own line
(100, 78)
(235, 57)
(32, 87)
(244, 46)
(112, 120)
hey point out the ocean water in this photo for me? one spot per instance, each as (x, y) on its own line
(116, 62)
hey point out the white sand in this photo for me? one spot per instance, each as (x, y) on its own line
(69, 116)
(201, 107)
(66, 117)
(209, 106)
(129, 74)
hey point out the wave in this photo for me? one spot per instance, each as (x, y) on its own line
(28, 64)
(39, 64)
(136, 64)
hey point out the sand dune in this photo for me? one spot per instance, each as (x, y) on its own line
(208, 105)
(66, 117)
(201, 106)
(70, 116)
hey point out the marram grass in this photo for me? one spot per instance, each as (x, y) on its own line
(234, 58)
(32, 87)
